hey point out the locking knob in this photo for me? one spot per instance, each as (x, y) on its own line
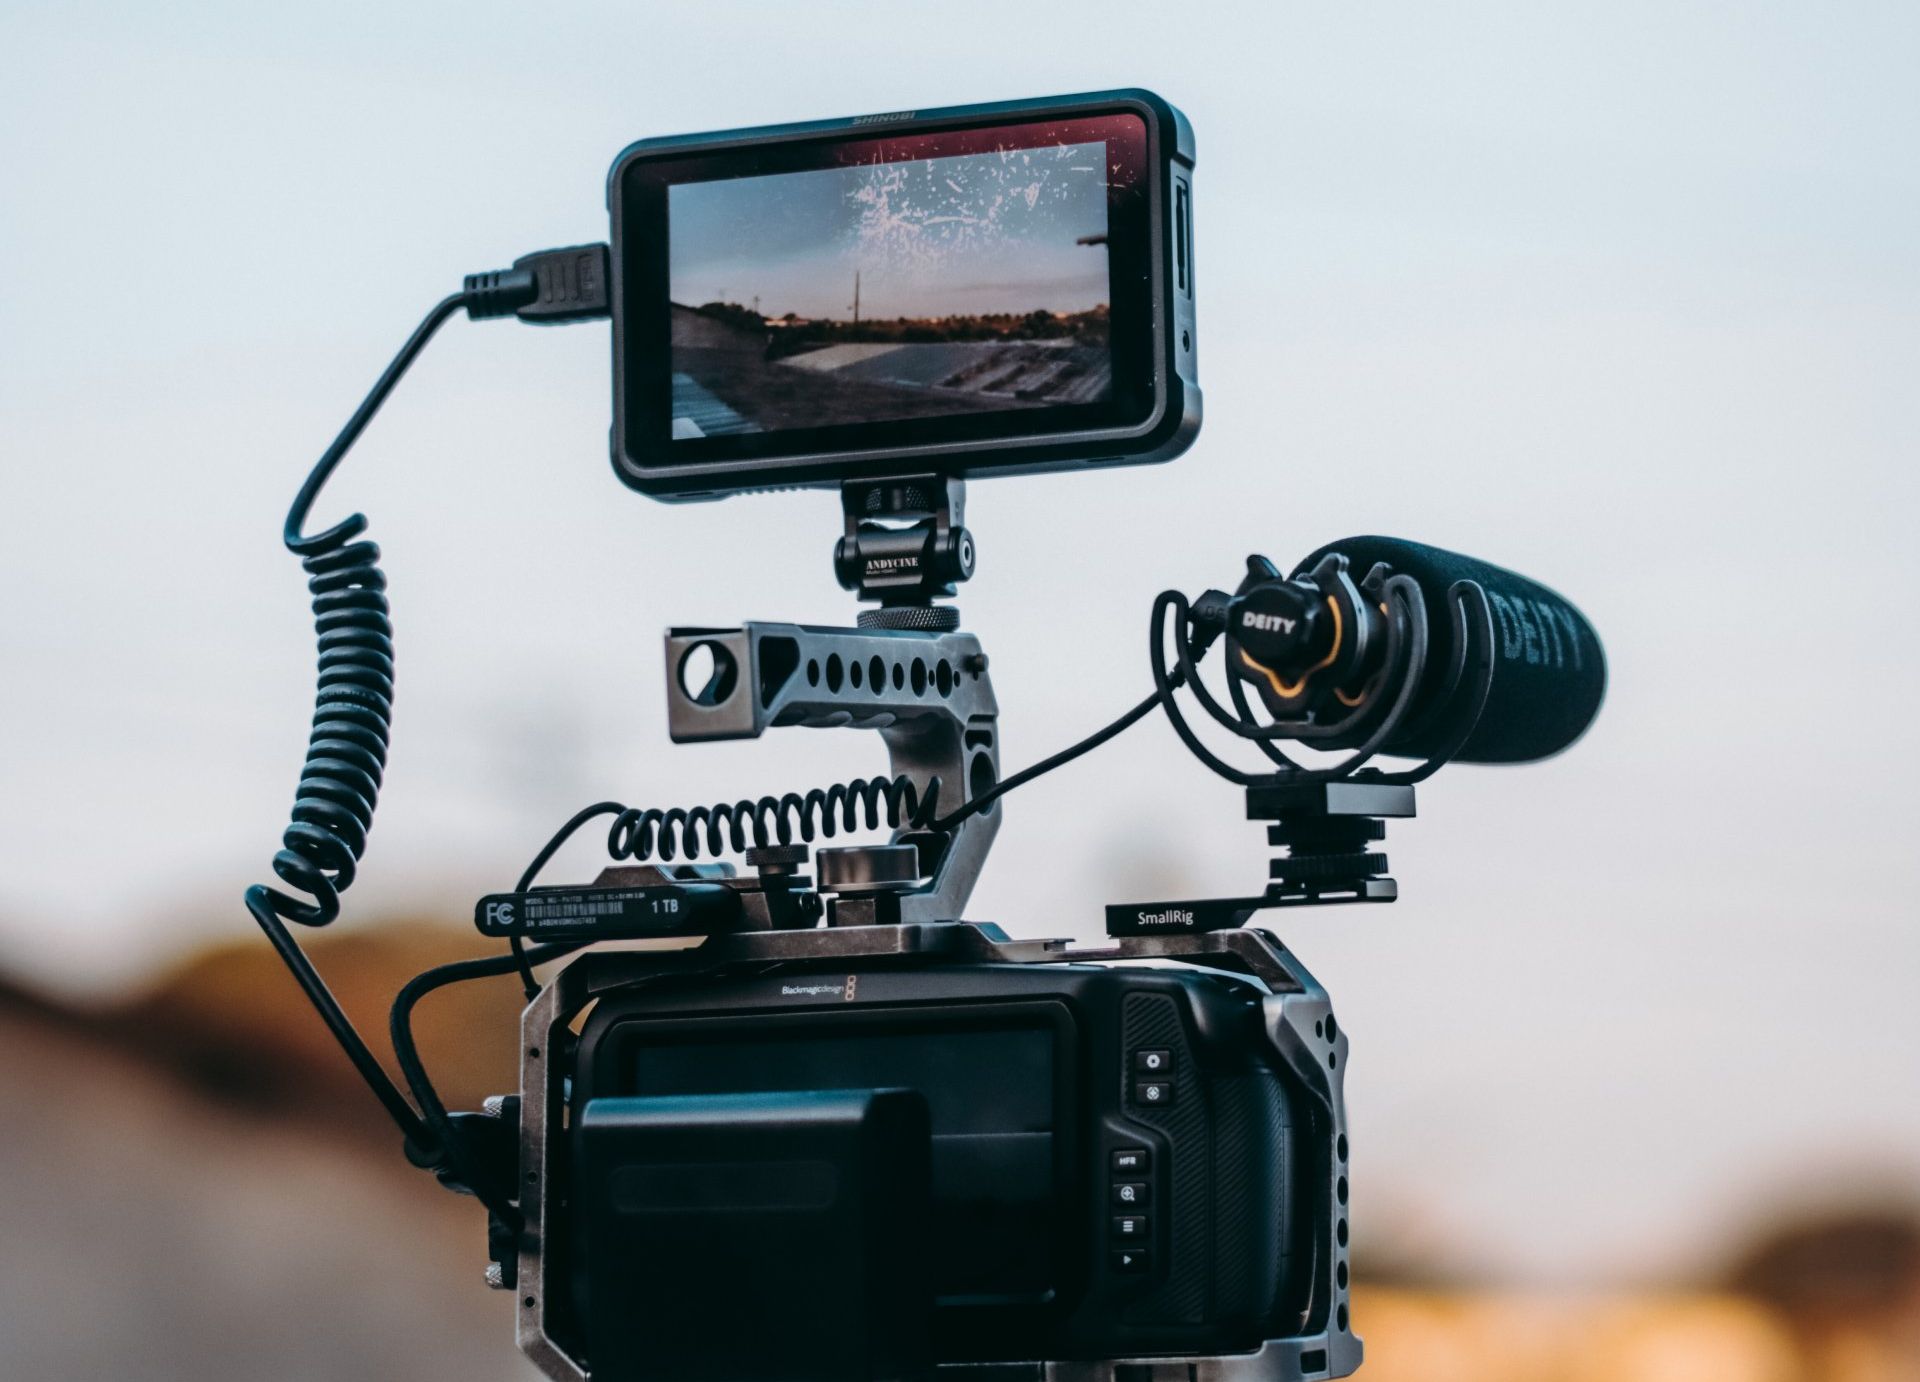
(866, 868)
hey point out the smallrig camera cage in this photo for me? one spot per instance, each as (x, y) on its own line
(976, 290)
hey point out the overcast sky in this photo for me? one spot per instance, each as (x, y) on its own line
(1625, 296)
(968, 234)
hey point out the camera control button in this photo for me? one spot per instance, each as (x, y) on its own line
(1130, 1260)
(1130, 1193)
(1152, 1092)
(1129, 1228)
(1132, 1161)
(1155, 1063)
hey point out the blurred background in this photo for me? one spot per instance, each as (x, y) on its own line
(1625, 296)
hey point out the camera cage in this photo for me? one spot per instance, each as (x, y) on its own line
(909, 674)
(1296, 1015)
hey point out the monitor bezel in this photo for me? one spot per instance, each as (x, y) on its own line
(1153, 418)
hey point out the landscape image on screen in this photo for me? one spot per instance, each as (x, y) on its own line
(887, 291)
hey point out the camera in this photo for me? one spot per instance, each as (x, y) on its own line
(1110, 1162)
(787, 1112)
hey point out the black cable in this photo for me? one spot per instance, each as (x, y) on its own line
(1047, 765)
(400, 1017)
(337, 1022)
(352, 720)
(347, 750)
(530, 985)
(642, 833)
(433, 1112)
(1194, 647)
(1165, 681)
(323, 469)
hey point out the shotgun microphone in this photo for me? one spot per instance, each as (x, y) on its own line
(1317, 647)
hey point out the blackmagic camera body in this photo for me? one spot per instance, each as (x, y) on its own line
(1115, 1161)
(786, 1112)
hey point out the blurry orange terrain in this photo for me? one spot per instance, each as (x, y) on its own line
(198, 1188)
(1458, 1336)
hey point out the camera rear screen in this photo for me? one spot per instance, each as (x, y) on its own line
(970, 283)
(991, 1095)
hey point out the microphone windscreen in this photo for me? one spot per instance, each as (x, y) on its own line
(1549, 674)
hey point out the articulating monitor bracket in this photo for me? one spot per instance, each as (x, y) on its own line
(905, 545)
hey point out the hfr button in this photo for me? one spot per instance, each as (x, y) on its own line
(1132, 1161)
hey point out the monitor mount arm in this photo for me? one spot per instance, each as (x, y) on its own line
(905, 545)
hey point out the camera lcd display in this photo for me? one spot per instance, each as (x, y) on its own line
(876, 291)
(991, 1093)
(949, 289)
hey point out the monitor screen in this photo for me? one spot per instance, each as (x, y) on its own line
(857, 292)
(970, 283)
